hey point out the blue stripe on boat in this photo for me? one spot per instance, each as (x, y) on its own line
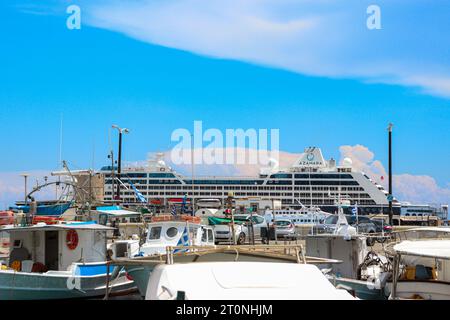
(92, 269)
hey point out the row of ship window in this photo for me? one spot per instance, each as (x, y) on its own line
(323, 202)
(258, 188)
(273, 176)
(246, 182)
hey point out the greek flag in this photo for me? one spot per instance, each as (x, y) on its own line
(184, 241)
(139, 195)
(174, 211)
(355, 210)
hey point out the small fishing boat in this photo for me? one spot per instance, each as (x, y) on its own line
(45, 208)
(241, 281)
(140, 268)
(421, 270)
(59, 261)
(168, 231)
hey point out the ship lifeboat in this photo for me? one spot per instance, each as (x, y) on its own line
(182, 217)
(6, 217)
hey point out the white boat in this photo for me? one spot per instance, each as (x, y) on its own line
(59, 261)
(163, 233)
(304, 216)
(172, 231)
(241, 281)
(421, 270)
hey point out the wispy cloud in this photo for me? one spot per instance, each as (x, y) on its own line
(321, 38)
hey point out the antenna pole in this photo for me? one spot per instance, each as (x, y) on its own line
(390, 172)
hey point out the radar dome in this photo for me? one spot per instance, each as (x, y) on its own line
(347, 162)
(273, 163)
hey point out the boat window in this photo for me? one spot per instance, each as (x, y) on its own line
(210, 236)
(155, 233)
(204, 235)
(331, 219)
(172, 232)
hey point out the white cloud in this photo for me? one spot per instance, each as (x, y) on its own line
(321, 38)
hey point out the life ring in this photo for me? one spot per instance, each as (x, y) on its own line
(72, 239)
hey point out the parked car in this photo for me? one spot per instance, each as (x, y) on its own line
(363, 225)
(285, 228)
(382, 227)
(223, 232)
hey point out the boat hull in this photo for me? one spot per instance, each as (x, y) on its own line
(45, 286)
(141, 273)
(362, 289)
(54, 210)
(428, 290)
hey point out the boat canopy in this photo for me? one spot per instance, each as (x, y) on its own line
(427, 229)
(425, 248)
(117, 211)
(55, 227)
(242, 280)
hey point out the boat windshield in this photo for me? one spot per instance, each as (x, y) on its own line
(331, 219)
(154, 233)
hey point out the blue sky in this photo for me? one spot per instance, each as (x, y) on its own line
(136, 65)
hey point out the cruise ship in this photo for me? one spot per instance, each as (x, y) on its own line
(310, 181)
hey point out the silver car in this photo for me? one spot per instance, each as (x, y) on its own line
(285, 228)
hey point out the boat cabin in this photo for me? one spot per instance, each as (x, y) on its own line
(174, 233)
(421, 270)
(42, 248)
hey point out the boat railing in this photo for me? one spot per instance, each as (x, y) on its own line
(290, 253)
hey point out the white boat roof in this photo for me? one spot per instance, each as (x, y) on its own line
(425, 248)
(428, 229)
(119, 213)
(61, 226)
(243, 281)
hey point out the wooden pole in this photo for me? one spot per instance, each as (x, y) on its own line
(107, 281)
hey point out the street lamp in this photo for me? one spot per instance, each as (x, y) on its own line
(119, 164)
(25, 176)
(390, 197)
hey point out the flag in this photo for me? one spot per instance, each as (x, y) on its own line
(184, 241)
(355, 210)
(139, 195)
(174, 211)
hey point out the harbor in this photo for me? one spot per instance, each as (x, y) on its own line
(124, 244)
(224, 158)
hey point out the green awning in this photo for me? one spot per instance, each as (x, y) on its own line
(215, 221)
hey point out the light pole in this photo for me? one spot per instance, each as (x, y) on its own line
(390, 197)
(25, 176)
(119, 163)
